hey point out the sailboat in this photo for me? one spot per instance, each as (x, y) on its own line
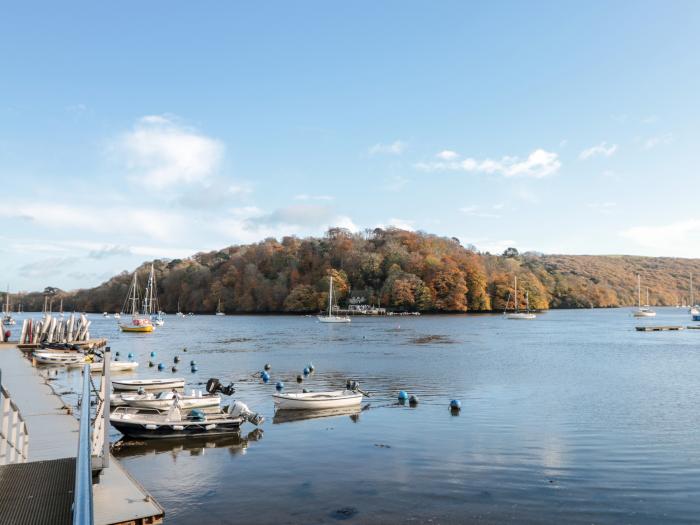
(140, 322)
(694, 310)
(219, 311)
(7, 319)
(516, 313)
(330, 318)
(150, 300)
(179, 313)
(642, 311)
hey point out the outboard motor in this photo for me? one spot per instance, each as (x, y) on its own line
(214, 386)
(351, 384)
(239, 409)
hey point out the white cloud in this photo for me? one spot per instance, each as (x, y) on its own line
(478, 211)
(538, 164)
(395, 148)
(680, 238)
(159, 153)
(307, 197)
(447, 155)
(402, 224)
(660, 140)
(601, 150)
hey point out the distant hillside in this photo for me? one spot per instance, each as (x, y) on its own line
(398, 269)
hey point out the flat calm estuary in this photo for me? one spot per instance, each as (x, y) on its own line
(571, 418)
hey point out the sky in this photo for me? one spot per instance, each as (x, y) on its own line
(138, 130)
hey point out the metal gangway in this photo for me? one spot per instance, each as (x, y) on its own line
(14, 436)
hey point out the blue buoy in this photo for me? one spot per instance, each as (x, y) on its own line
(161, 366)
(194, 368)
(455, 404)
(262, 373)
(307, 371)
(176, 359)
(413, 400)
(403, 396)
(193, 362)
(153, 354)
(265, 377)
(311, 367)
(130, 355)
(279, 386)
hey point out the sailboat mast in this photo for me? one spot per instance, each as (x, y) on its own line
(639, 290)
(647, 296)
(516, 294)
(134, 309)
(692, 298)
(330, 298)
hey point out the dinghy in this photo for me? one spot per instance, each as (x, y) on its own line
(58, 358)
(148, 384)
(151, 423)
(114, 366)
(317, 400)
(165, 400)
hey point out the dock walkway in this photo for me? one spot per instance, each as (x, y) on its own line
(53, 435)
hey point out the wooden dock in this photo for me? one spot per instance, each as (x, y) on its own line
(53, 436)
(671, 328)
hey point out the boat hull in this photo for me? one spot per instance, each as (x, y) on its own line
(332, 319)
(185, 402)
(58, 358)
(114, 366)
(143, 430)
(521, 316)
(317, 400)
(136, 329)
(148, 384)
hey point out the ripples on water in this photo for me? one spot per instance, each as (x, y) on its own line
(573, 417)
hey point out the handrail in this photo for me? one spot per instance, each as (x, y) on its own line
(13, 430)
(82, 493)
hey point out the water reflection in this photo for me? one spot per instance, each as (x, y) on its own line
(195, 446)
(289, 416)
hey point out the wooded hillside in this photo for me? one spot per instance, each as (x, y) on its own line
(398, 269)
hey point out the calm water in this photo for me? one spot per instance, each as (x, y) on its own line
(574, 417)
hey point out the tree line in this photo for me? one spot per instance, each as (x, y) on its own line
(397, 269)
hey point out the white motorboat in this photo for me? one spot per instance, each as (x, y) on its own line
(117, 315)
(148, 384)
(58, 358)
(330, 318)
(114, 366)
(642, 311)
(516, 313)
(165, 400)
(317, 400)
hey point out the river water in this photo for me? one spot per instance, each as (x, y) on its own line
(574, 417)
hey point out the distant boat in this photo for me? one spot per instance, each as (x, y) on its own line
(150, 300)
(642, 311)
(117, 315)
(7, 319)
(105, 315)
(330, 318)
(179, 313)
(140, 322)
(516, 313)
(219, 311)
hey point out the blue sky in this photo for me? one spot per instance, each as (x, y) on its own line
(136, 130)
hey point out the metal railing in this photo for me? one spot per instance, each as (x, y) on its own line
(82, 492)
(14, 436)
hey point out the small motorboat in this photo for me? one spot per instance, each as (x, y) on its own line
(350, 397)
(58, 358)
(117, 315)
(105, 315)
(164, 400)
(290, 416)
(148, 384)
(151, 423)
(114, 366)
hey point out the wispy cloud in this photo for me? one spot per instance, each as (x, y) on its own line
(659, 140)
(109, 251)
(307, 197)
(395, 148)
(681, 238)
(601, 150)
(160, 152)
(480, 211)
(538, 164)
(447, 154)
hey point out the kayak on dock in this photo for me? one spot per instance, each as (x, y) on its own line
(148, 384)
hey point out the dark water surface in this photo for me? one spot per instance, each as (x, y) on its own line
(574, 417)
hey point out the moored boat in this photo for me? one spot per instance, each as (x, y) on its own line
(165, 400)
(114, 366)
(516, 313)
(140, 323)
(642, 311)
(148, 384)
(58, 358)
(317, 400)
(330, 318)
